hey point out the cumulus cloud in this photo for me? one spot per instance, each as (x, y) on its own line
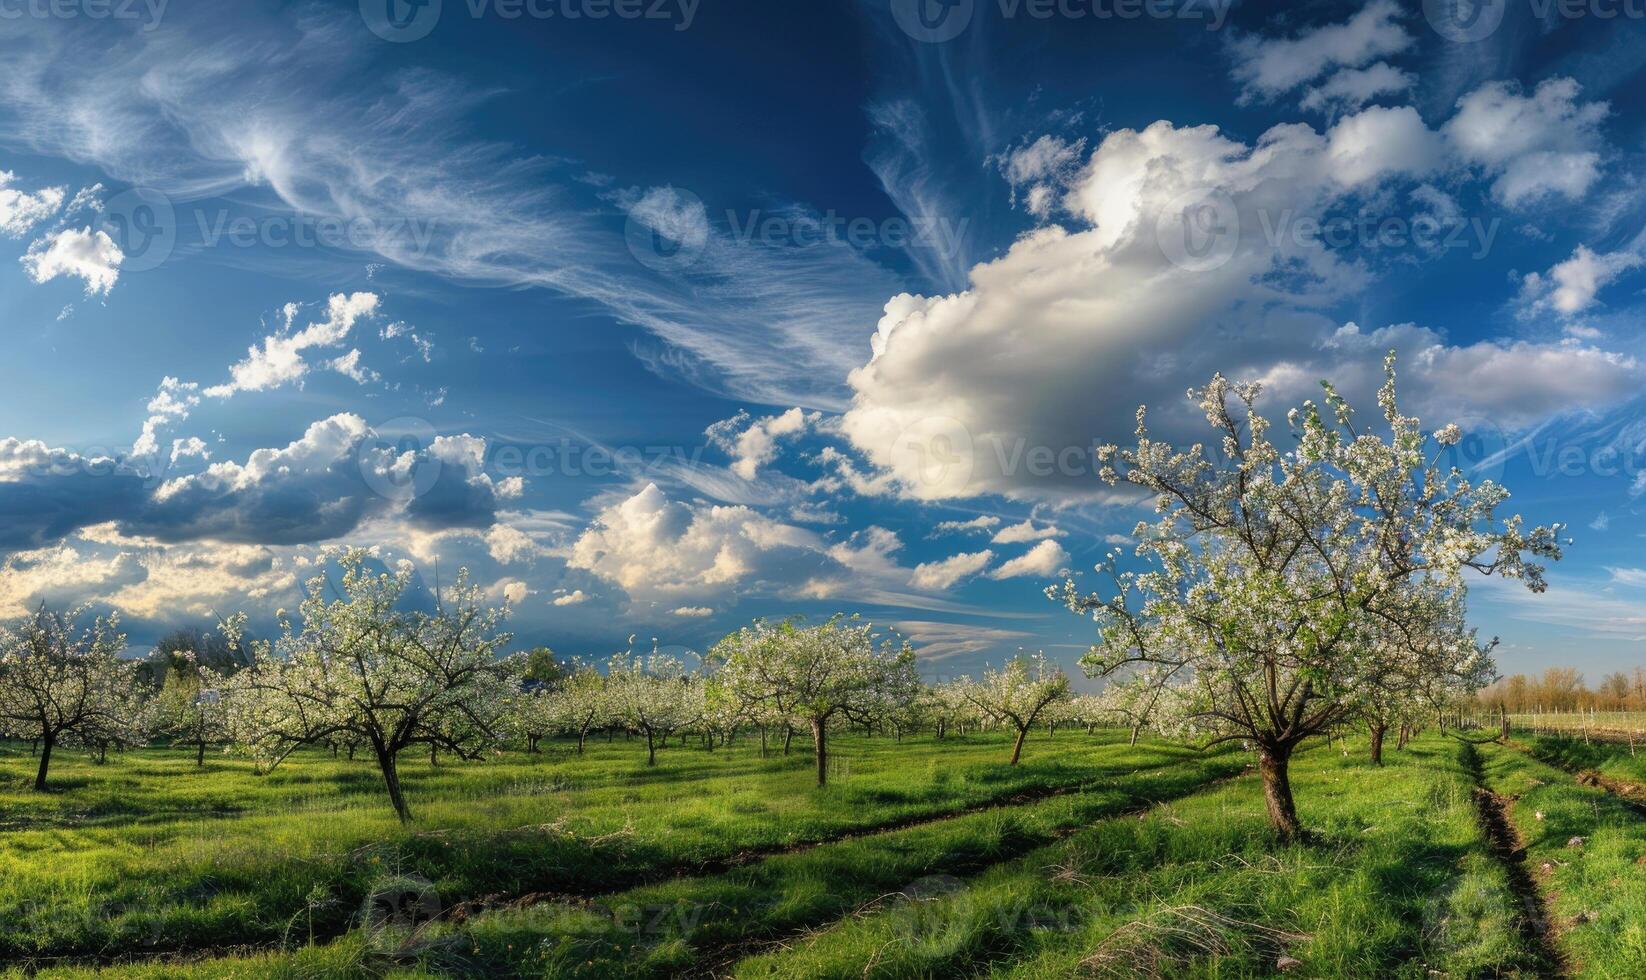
(172, 403)
(279, 360)
(350, 367)
(1268, 67)
(754, 442)
(1546, 144)
(692, 612)
(20, 211)
(1352, 88)
(1044, 560)
(940, 575)
(656, 547)
(193, 447)
(572, 598)
(318, 487)
(1006, 386)
(1570, 287)
(1025, 532)
(138, 579)
(84, 254)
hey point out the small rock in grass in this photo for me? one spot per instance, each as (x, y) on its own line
(1538, 814)
(1576, 842)
(1287, 963)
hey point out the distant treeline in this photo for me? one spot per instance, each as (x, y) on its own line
(1564, 689)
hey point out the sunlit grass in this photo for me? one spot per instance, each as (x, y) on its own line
(150, 853)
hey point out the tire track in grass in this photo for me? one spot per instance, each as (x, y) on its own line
(1532, 918)
(1631, 795)
(719, 962)
(673, 872)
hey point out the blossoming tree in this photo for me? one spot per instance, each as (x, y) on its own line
(363, 667)
(1283, 589)
(817, 674)
(62, 681)
(1018, 694)
(655, 695)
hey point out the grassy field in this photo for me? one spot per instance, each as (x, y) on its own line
(921, 859)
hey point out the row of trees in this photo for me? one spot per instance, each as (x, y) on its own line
(1564, 689)
(1283, 591)
(361, 667)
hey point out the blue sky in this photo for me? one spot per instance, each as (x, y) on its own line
(660, 315)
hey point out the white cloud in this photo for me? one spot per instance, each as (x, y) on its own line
(21, 211)
(1378, 142)
(1537, 146)
(572, 598)
(280, 358)
(655, 547)
(991, 390)
(982, 522)
(1042, 561)
(1352, 88)
(1628, 576)
(935, 641)
(754, 442)
(85, 254)
(513, 591)
(350, 367)
(692, 612)
(1025, 532)
(1570, 287)
(1268, 67)
(192, 447)
(171, 403)
(1039, 170)
(940, 575)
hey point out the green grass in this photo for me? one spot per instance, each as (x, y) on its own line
(149, 854)
(1596, 890)
(1396, 883)
(922, 859)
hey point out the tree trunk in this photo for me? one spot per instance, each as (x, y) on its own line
(581, 735)
(1377, 743)
(1273, 764)
(391, 779)
(46, 744)
(351, 752)
(762, 741)
(820, 745)
(788, 736)
(1134, 736)
(1017, 746)
(200, 752)
(651, 749)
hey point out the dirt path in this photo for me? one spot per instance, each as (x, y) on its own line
(1532, 915)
